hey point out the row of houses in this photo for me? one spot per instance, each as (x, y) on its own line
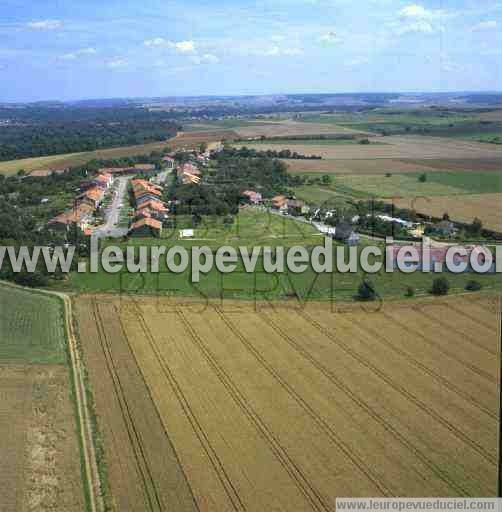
(150, 210)
(91, 195)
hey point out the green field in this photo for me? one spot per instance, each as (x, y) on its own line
(75, 159)
(31, 326)
(257, 228)
(403, 185)
(460, 125)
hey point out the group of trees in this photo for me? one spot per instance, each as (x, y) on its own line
(297, 180)
(246, 152)
(40, 131)
(223, 182)
(263, 173)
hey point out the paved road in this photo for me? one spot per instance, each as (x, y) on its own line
(112, 214)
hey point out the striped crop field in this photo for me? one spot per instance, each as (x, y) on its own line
(233, 407)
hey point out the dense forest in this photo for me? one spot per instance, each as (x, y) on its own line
(32, 131)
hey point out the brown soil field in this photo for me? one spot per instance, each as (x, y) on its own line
(376, 166)
(281, 408)
(290, 127)
(193, 139)
(462, 208)
(396, 147)
(494, 115)
(40, 468)
(464, 164)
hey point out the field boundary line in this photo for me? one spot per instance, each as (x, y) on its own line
(279, 451)
(472, 318)
(157, 412)
(415, 362)
(430, 342)
(442, 323)
(93, 481)
(403, 391)
(364, 405)
(317, 418)
(140, 458)
(227, 485)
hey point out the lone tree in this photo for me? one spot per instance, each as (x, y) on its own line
(476, 226)
(422, 178)
(440, 286)
(473, 286)
(366, 291)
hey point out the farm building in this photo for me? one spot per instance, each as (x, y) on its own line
(92, 197)
(169, 162)
(345, 233)
(157, 206)
(81, 216)
(146, 227)
(437, 255)
(144, 167)
(279, 202)
(188, 174)
(252, 196)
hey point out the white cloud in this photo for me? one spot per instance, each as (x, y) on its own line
(358, 61)
(276, 51)
(415, 12)
(415, 18)
(485, 25)
(117, 63)
(180, 46)
(79, 53)
(330, 38)
(207, 58)
(45, 24)
(184, 46)
(156, 41)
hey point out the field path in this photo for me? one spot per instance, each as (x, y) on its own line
(85, 426)
(91, 467)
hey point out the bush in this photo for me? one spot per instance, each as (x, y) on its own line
(410, 291)
(440, 286)
(366, 291)
(473, 286)
(422, 178)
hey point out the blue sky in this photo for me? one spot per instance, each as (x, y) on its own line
(66, 49)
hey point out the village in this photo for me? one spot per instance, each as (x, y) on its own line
(133, 202)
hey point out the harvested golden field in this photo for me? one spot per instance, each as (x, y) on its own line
(395, 147)
(461, 208)
(290, 127)
(40, 468)
(228, 407)
(75, 159)
(356, 166)
(189, 140)
(194, 139)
